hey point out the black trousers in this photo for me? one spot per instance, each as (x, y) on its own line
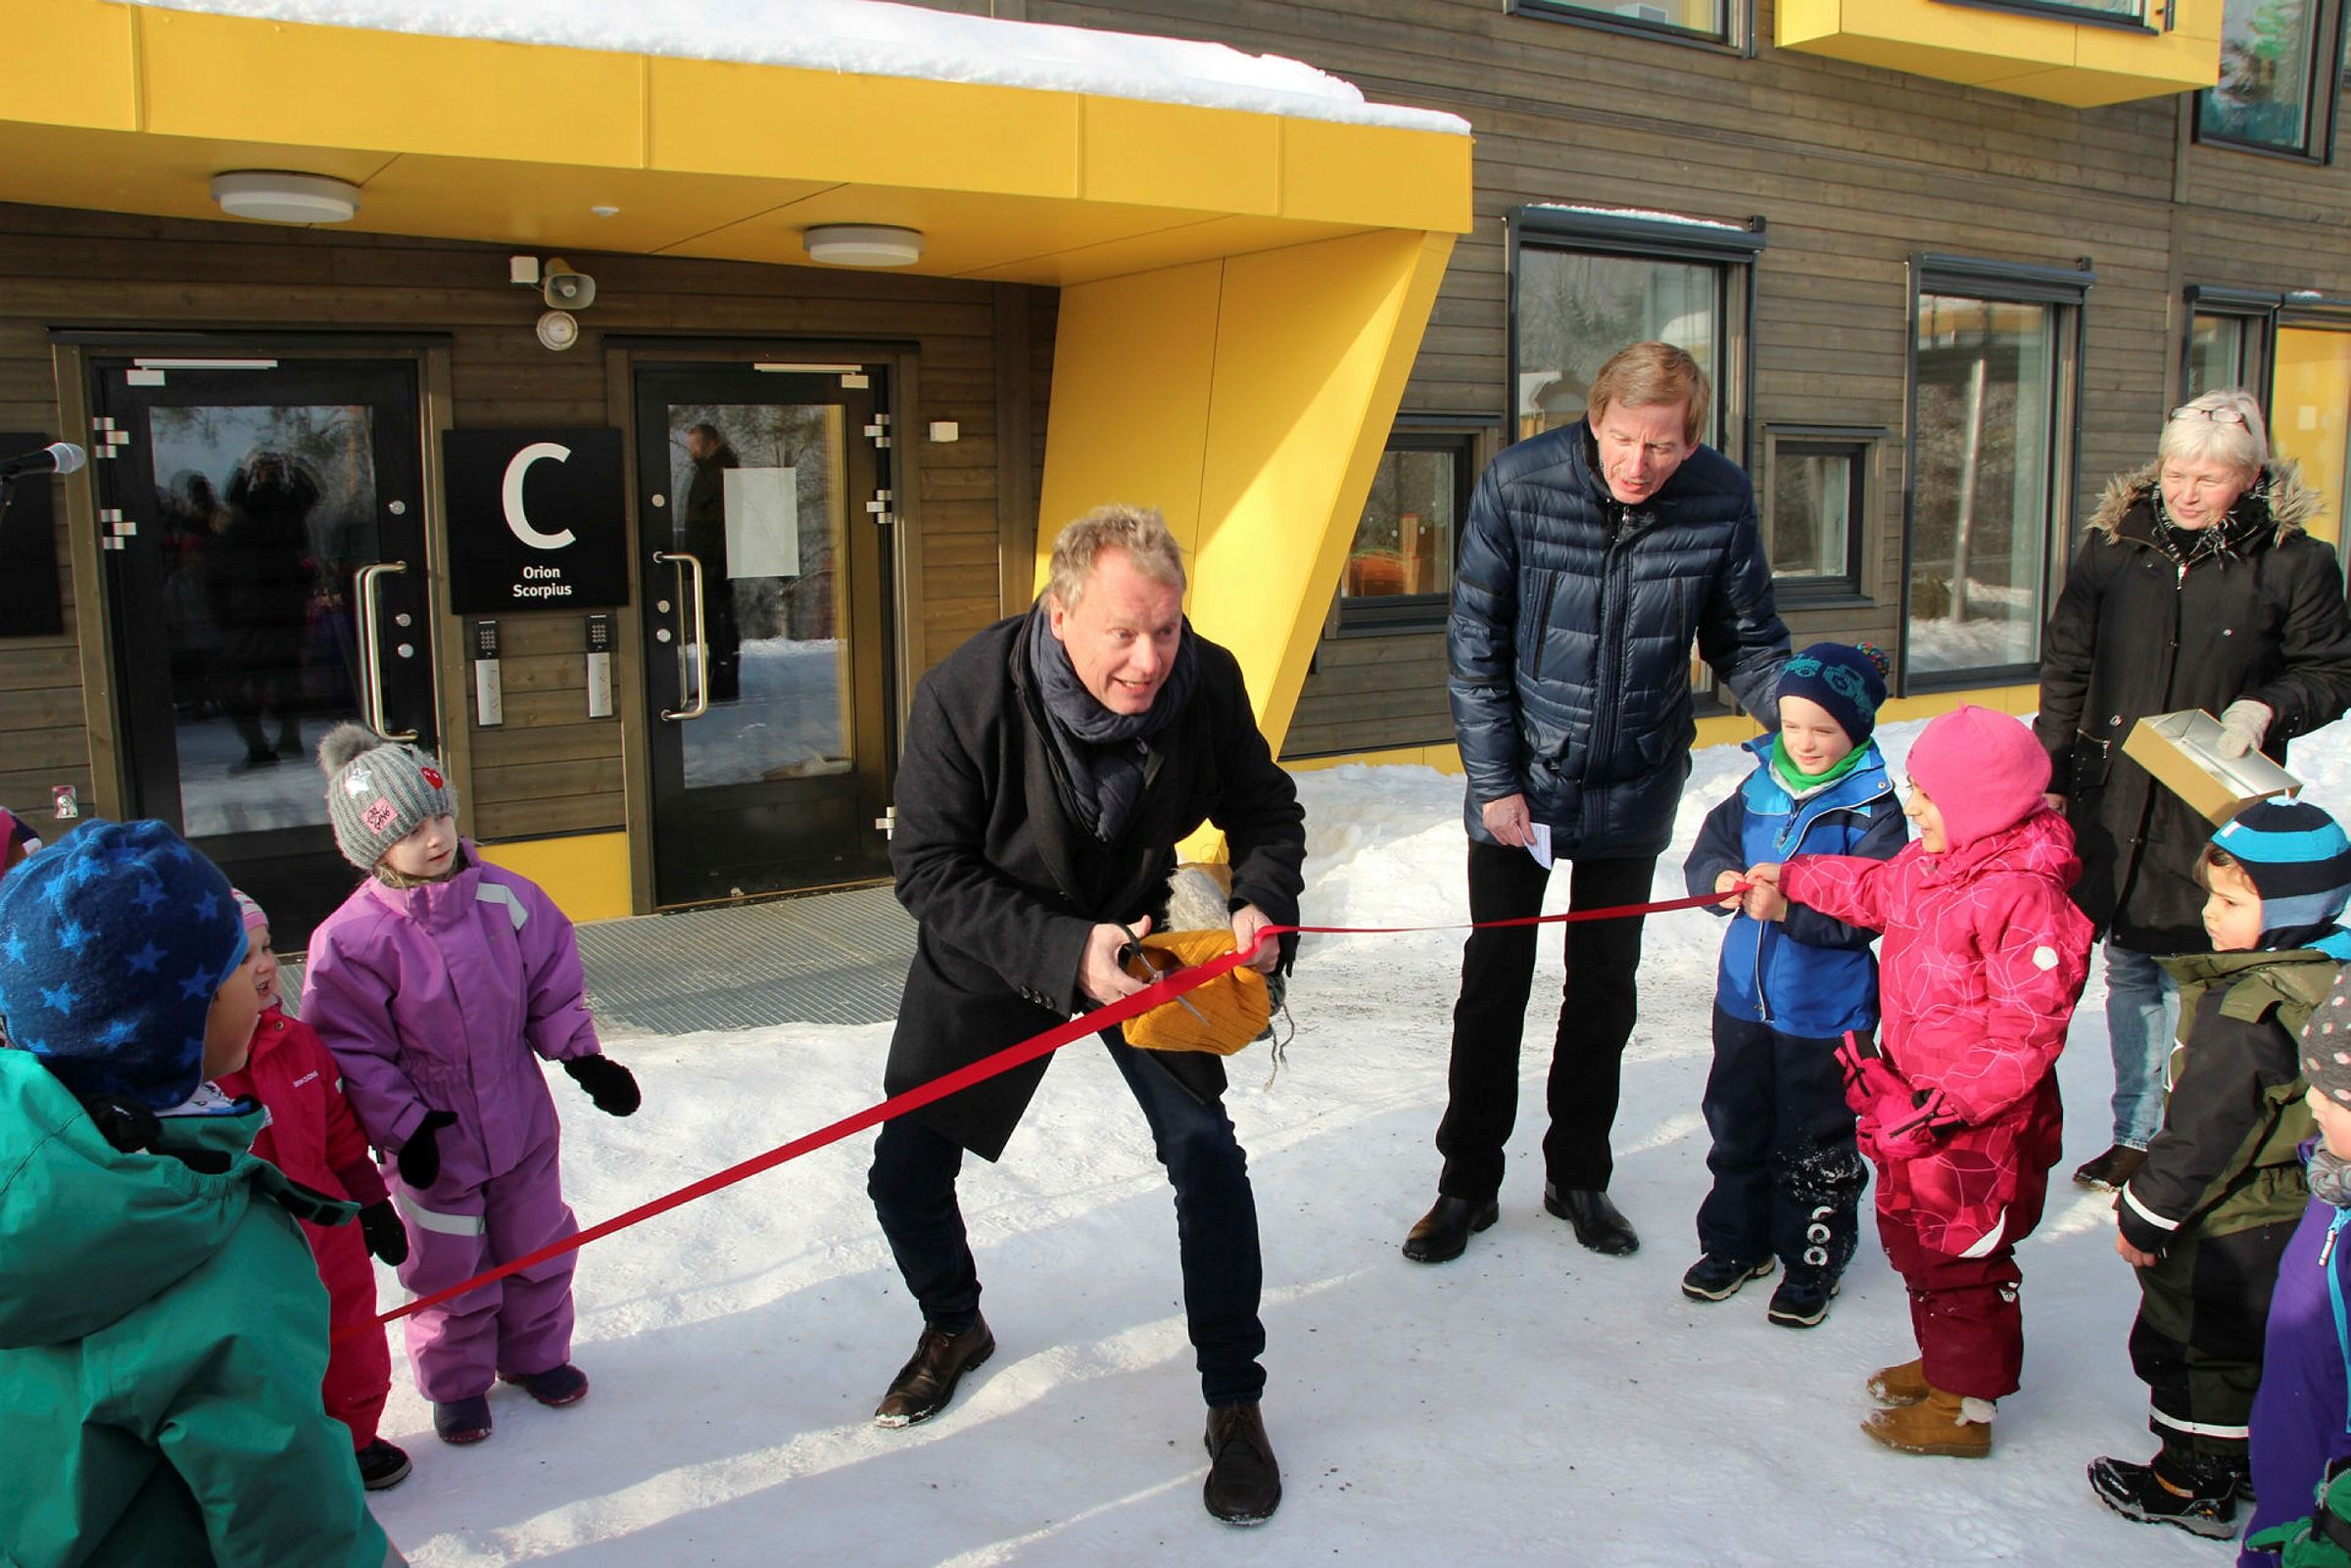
(1787, 1178)
(1596, 1018)
(912, 1184)
(2203, 1314)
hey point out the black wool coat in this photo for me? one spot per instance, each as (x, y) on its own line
(1007, 886)
(2134, 634)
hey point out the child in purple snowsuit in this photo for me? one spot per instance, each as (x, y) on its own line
(2302, 1415)
(438, 985)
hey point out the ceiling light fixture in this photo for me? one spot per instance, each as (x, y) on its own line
(863, 245)
(274, 196)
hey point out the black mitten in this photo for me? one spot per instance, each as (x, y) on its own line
(609, 1084)
(420, 1157)
(386, 1237)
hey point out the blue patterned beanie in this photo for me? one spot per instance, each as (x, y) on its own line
(111, 943)
(1848, 679)
(2299, 861)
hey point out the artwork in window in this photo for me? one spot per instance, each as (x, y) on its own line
(1576, 308)
(1404, 542)
(1983, 448)
(2263, 96)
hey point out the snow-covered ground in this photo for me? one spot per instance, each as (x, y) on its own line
(1529, 1403)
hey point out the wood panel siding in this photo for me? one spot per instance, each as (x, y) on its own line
(550, 768)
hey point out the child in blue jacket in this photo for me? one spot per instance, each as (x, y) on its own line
(1787, 1178)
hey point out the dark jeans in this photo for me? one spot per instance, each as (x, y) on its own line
(912, 1187)
(1596, 1018)
(1787, 1178)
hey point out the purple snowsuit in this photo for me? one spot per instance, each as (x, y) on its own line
(2302, 1415)
(443, 998)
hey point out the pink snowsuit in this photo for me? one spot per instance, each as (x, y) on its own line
(1984, 958)
(443, 998)
(312, 1137)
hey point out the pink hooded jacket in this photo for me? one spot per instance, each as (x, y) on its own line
(443, 998)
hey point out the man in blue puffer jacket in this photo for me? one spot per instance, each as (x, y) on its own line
(1596, 555)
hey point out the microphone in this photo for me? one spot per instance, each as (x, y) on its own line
(57, 458)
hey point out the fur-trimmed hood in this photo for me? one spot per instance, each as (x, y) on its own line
(2292, 503)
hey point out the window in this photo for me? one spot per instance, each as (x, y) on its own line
(1814, 499)
(1588, 282)
(1399, 571)
(2134, 12)
(1696, 20)
(2229, 334)
(1994, 349)
(2265, 99)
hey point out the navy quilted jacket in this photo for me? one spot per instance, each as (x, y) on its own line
(1574, 617)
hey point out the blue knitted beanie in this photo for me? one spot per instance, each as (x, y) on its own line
(1848, 679)
(111, 943)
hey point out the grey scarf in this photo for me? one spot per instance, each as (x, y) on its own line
(2329, 1177)
(1102, 753)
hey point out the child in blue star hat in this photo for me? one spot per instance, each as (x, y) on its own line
(162, 1331)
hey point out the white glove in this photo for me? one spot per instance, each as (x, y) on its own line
(2242, 724)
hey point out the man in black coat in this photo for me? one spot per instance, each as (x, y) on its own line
(1595, 556)
(702, 533)
(1051, 765)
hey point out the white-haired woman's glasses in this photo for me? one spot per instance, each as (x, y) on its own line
(2219, 417)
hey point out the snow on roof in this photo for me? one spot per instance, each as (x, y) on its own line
(1642, 213)
(870, 37)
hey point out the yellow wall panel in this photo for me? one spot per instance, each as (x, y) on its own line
(76, 64)
(234, 78)
(586, 875)
(2083, 64)
(1375, 174)
(2310, 404)
(1171, 154)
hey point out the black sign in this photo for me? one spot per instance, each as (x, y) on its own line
(30, 605)
(535, 520)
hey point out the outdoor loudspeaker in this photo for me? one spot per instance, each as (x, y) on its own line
(566, 290)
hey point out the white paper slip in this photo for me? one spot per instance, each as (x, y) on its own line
(1538, 843)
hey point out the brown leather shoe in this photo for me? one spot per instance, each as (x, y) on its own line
(1896, 1386)
(1244, 1479)
(1939, 1423)
(927, 1382)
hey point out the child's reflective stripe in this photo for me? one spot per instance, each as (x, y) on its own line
(439, 1223)
(501, 893)
(2335, 1294)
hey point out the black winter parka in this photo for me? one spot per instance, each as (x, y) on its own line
(2133, 635)
(1574, 617)
(1007, 887)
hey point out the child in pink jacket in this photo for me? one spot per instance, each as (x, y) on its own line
(439, 984)
(1984, 958)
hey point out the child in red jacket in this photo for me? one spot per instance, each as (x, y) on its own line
(1984, 958)
(314, 1137)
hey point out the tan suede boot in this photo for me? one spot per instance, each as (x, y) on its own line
(1906, 1384)
(1941, 1423)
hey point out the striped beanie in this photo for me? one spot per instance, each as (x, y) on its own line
(2299, 861)
(378, 791)
(249, 910)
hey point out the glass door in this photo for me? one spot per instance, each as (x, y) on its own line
(263, 540)
(764, 512)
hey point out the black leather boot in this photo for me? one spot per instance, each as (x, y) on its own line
(1443, 1233)
(1244, 1481)
(927, 1382)
(1598, 1223)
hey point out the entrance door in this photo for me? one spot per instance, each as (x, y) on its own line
(763, 524)
(264, 541)
(2310, 419)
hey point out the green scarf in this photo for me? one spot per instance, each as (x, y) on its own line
(1800, 782)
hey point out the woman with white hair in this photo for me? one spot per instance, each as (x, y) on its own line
(2194, 586)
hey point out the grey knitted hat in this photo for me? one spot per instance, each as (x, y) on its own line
(2327, 1043)
(378, 791)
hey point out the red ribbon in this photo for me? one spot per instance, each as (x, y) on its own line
(1156, 994)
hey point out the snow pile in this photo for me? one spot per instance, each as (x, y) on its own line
(1529, 1403)
(869, 37)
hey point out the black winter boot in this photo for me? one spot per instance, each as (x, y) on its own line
(1244, 1479)
(1716, 1278)
(2197, 1494)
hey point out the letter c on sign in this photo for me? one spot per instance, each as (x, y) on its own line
(518, 524)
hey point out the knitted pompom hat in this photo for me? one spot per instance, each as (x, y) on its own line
(1847, 678)
(378, 791)
(112, 944)
(1982, 769)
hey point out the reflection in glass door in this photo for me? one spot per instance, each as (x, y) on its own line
(766, 639)
(257, 517)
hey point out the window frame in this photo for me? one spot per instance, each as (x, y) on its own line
(1861, 445)
(1400, 614)
(1738, 35)
(2066, 288)
(2256, 312)
(1731, 250)
(2060, 11)
(2323, 94)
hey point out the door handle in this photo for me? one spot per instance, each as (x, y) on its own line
(701, 642)
(371, 659)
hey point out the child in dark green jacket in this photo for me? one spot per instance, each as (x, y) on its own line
(162, 1331)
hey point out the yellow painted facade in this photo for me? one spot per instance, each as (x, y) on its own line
(2078, 63)
(587, 875)
(2310, 406)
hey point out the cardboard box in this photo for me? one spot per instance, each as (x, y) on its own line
(2183, 751)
